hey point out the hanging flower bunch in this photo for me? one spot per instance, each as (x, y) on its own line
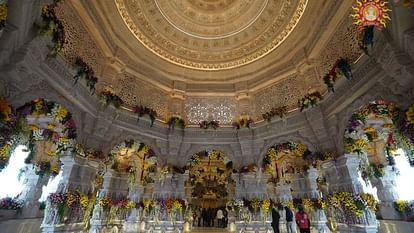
(330, 79)
(175, 121)
(409, 115)
(309, 100)
(279, 111)
(242, 123)
(141, 111)
(3, 15)
(9, 203)
(341, 68)
(109, 98)
(53, 27)
(207, 124)
(86, 72)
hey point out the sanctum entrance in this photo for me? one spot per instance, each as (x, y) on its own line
(210, 188)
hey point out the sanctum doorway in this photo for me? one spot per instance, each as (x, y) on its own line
(210, 187)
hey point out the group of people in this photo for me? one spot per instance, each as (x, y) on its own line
(301, 219)
(206, 217)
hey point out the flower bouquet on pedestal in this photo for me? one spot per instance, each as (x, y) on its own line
(175, 121)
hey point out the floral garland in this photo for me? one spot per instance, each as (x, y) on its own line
(88, 153)
(309, 100)
(86, 72)
(141, 110)
(211, 154)
(175, 121)
(3, 15)
(53, 27)
(67, 204)
(130, 144)
(109, 98)
(242, 123)
(207, 124)
(279, 111)
(9, 203)
(403, 206)
(341, 68)
(45, 168)
(353, 203)
(297, 148)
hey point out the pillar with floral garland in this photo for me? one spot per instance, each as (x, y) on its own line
(346, 180)
(386, 193)
(36, 176)
(134, 215)
(108, 215)
(317, 215)
(67, 208)
(252, 186)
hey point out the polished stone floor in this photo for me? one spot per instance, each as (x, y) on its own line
(208, 230)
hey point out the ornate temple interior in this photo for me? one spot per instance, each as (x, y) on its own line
(173, 116)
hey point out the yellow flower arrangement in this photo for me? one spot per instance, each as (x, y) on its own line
(84, 200)
(104, 202)
(369, 130)
(61, 113)
(3, 11)
(401, 206)
(370, 200)
(409, 115)
(255, 203)
(290, 204)
(307, 204)
(38, 107)
(388, 126)
(5, 151)
(361, 144)
(146, 203)
(266, 205)
(271, 152)
(55, 168)
(300, 149)
(177, 204)
(51, 126)
(70, 199)
(51, 153)
(130, 204)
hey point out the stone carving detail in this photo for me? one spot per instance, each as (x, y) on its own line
(135, 92)
(286, 92)
(185, 46)
(78, 40)
(344, 43)
(222, 109)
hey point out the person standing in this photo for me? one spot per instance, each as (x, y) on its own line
(290, 226)
(220, 218)
(302, 220)
(275, 220)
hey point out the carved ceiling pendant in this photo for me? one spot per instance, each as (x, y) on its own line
(211, 35)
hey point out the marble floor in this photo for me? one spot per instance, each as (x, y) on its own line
(208, 230)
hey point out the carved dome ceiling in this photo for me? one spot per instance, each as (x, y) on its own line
(149, 50)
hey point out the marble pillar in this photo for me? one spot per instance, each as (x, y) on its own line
(32, 192)
(387, 194)
(133, 221)
(318, 216)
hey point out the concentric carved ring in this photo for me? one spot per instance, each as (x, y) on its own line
(211, 34)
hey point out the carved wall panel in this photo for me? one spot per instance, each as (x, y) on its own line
(344, 43)
(286, 92)
(135, 92)
(222, 109)
(78, 41)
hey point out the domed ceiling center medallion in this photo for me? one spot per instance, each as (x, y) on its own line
(211, 34)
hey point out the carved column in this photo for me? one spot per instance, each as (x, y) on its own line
(386, 193)
(133, 221)
(32, 192)
(347, 172)
(318, 216)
